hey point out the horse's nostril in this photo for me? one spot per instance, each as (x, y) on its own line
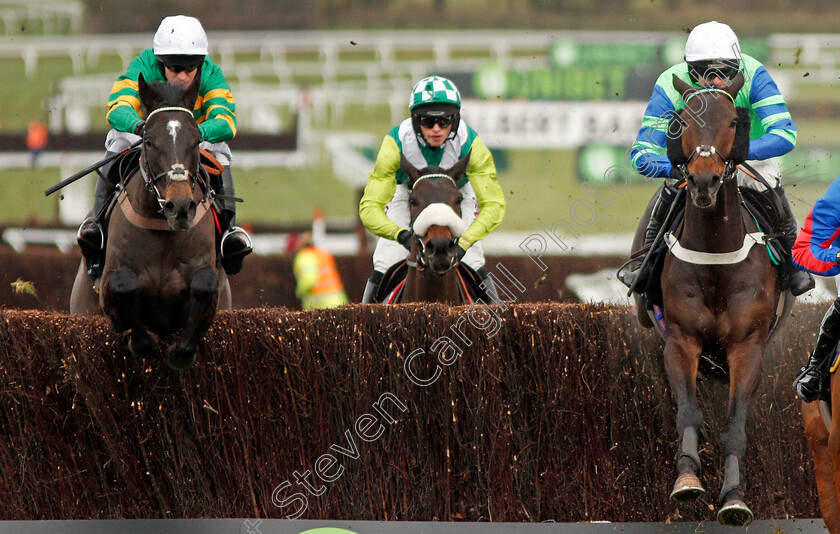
(169, 208)
(193, 206)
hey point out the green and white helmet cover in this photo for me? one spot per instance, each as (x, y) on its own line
(434, 90)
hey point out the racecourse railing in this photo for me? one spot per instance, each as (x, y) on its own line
(45, 16)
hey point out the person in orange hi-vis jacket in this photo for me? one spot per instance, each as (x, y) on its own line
(318, 282)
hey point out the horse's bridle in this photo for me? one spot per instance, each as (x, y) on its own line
(176, 173)
(709, 151)
(420, 263)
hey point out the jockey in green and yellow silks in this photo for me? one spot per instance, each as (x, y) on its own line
(179, 53)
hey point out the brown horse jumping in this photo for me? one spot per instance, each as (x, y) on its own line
(435, 206)
(160, 273)
(719, 295)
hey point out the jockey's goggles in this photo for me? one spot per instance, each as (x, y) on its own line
(180, 68)
(707, 70)
(429, 121)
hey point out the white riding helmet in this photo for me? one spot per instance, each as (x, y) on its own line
(180, 36)
(710, 41)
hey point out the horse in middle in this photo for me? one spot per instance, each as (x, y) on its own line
(432, 269)
(719, 293)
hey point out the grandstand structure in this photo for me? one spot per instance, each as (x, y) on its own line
(273, 74)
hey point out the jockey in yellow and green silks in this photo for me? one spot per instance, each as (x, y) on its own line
(434, 135)
(179, 53)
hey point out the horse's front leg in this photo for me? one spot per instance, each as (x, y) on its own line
(682, 355)
(204, 288)
(744, 376)
(120, 303)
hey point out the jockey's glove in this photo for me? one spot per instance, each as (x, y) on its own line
(404, 239)
(459, 251)
(139, 129)
(676, 173)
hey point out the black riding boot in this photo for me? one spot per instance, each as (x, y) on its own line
(91, 237)
(657, 216)
(235, 243)
(798, 281)
(371, 287)
(489, 286)
(809, 379)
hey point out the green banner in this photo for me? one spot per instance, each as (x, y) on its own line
(568, 53)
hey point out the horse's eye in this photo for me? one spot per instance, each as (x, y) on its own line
(412, 201)
(734, 123)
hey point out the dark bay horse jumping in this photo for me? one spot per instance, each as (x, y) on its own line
(435, 206)
(161, 272)
(719, 293)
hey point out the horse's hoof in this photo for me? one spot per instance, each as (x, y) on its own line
(686, 488)
(142, 346)
(178, 358)
(735, 513)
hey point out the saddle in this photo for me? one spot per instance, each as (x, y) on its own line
(391, 288)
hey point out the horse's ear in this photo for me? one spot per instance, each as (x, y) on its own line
(674, 140)
(191, 94)
(409, 170)
(460, 167)
(741, 146)
(735, 85)
(683, 87)
(148, 96)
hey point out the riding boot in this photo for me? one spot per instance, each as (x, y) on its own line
(90, 236)
(657, 216)
(371, 287)
(235, 243)
(808, 380)
(798, 281)
(489, 286)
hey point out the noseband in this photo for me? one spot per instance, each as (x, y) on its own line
(176, 173)
(709, 151)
